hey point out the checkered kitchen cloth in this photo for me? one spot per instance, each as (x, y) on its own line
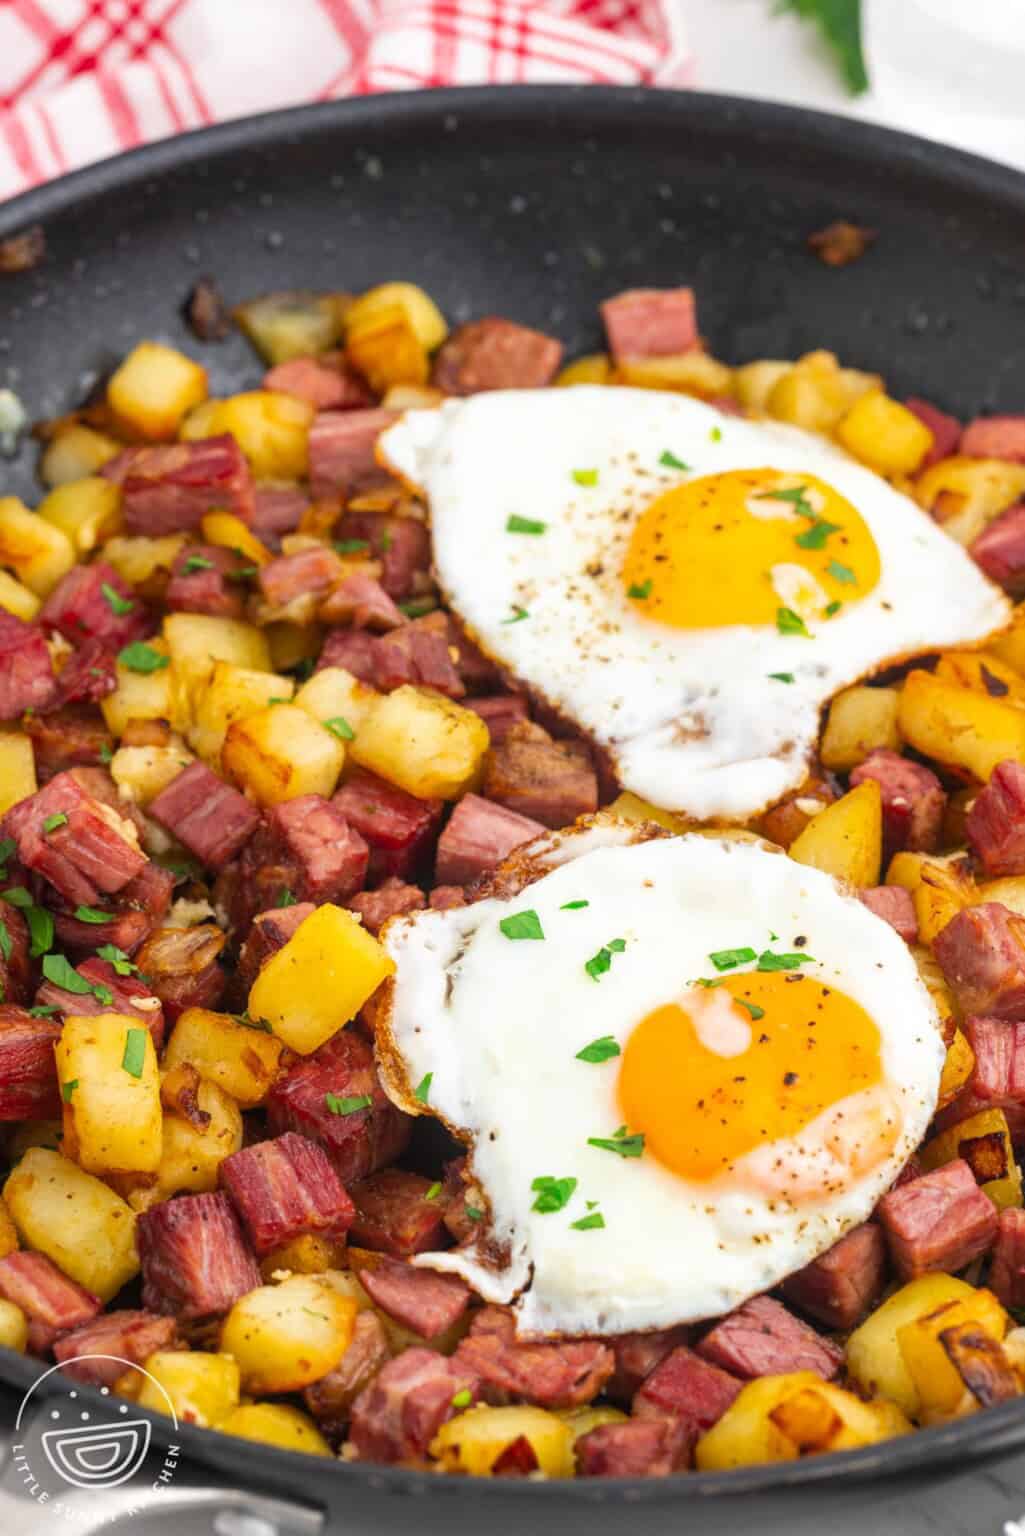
(81, 79)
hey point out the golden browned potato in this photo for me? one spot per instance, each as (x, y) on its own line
(107, 1069)
(984, 1141)
(230, 532)
(276, 1424)
(88, 511)
(154, 388)
(8, 1232)
(689, 373)
(145, 695)
(16, 598)
(76, 452)
(38, 553)
(286, 1336)
(473, 1441)
(286, 325)
(203, 1387)
(958, 1066)
(845, 839)
(959, 728)
(922, 1342)
(593, 369)
(884, 434)
(241, 1061)
(423, 742)
(75, 1219)
(874, 1359)
(231, 693)
(860, 721)
(966, 494)
(385, 348)
(281, 752)
(780, 1418)
(193, 1148)
(13, 1327)
(140, 773)
(197, 641)
(425, 318)
(17, 769)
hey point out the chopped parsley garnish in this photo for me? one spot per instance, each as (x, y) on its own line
(134, 1056)
(841, 573)
(585, 476)
(602, 961)
(433, 1192)
(242, 572)
(708, 982)
(44, 1010)
(310, 1313)
(552, 1194)
(6, 942)
(716, 434)
(347, 1104)
(196, 563)
(752, 1008)
(93, 915)
(58, 819)
(263, 1025)
(640, 590)
(463, 1398)
(472, 1213)
(522, 925)
(573, 906)
(417, 607)
(118, 959)
(40, 922)
(115, 602)
(602, 1049)
(670, 461)
(589, 1223)
(386, 541)
(729, 959)
(59, 970)
(833, 607)
(815, 537)
(351, 546)
(620, 1143)
(68, 1088)
(8, 848)
(340, 727)
(781, 677)
(106, 755)
(285, 898)
(796, 495)
(517, 524)
(790, 623)
(518, 613)
(769, 961)
(423, 1088)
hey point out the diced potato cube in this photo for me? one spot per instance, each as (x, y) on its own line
(204, 420)
(874, 1360)
(230, 532)
(334, 694)
(308, 1254)
(111, 1090)
(289, 643)
(593, 369)
(846, 838)
(8, 1232)
(17, 598)
(281, 753)
(885, 435)
(17, 769)
(473, 1441)
(385, 349)
(140, 773)
(747, 1434)
(779, 1418)
(75, 1219)
(154, 388)
(423, 742)
(144, 563)
(38, 553)
(937, 1384)
(240, 1060)
(582, 1420)
(320, 979)
(75, 453)
(286, 1336)
(691, 373)
(232, 693)
(984, 1141)
(812, 394)
(982, 673)
(144, 695)
(191, 1154)
(958, 1066)
(195, 641)
(959, 728)
(272, 430)
(286, 325)
(13, 1327)
(277, 1424)
(88, 511)
(860, 720)
(966, 494)
(630, 807)
(940, 886)
(425, 318)
(1009, 891)
(203, 1388)
(824, 1417)
(754, 382)
(1009, 646)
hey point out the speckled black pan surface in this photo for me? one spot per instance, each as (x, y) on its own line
(537, 203)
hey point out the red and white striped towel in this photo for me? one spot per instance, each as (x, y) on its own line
(81, 79)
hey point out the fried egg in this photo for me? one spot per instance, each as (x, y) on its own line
(687, 587)
(683, 1066)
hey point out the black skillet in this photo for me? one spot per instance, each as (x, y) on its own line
(537, 203)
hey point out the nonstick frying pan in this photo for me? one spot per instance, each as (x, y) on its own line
(536, 203)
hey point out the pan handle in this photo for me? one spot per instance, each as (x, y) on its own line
(230, 1511)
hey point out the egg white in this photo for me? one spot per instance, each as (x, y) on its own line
(498, 1023)
(691, 719)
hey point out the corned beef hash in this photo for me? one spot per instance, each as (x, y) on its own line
(627, 776)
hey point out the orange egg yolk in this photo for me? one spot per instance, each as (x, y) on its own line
(756, 1059)
(739, 547)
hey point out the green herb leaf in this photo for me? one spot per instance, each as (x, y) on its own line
(285, 898)
(433, 1192)
(832, 608)
(58, 819)
(517, 524)
(790, 623)
(707, 981)
(118, 959)
(139, 657)
(522, 925)
(585, 476)
(573, 906)
(263, 1025)
(670, 461)
(518, 614)
(16, 896)
(620, 1143)
(340, 727)
(417, 607)
(796, 495)
(552, 1194)
(241, 572)
(68, 1088)
(589, 1223)
(115, 602)
(106, 755)
(385, 541)
(93, 915)
(729, 959)
(839, 21)
(472, 1213)
(6, 942)
(351, 546)
(716, 434)
(423, 1088)
(102, 994)
(463, 1398)
(40, 928)
(602, 961)
(8, 848)
(815, 537)
(196, 563)
(347, 1104)
(841, 573)
(134, 1058)
(59, 970)
(768, 961)
(781, 677)
(752, 1008)
(602, 1049)
(44, 1010)
(640, 590)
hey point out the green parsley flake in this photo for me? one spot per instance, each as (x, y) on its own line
(602, 961)
(833, 607)
(6, 942)
(116, 603)
(552, 1194)
(790, 623)
(841, 573)
(418, 607)
(620, 1143)
(472, 1213)
(263, 1025)
(351, 546)
(385, 542)
(518, 614)
(640, 590)
(522, 925)
(118, 959)
(768, 961)
(59, 970)
(68, 1088)
(573, 906)
(815, 537)
(589, 1223)
(716, 434)
(585, 476)
(134, 1057)
(602, 1049)
(462, 1399)
(8, 848)
(752, 1008)
(285, 898)
(796, 495)
(433, 1192)
(58, 819)
(106, 755)
(197, 563)
(44, 1010)
(517, 524)
(347, 1105)
(670, 461)
(781, 677)
(729, 959)
(340, 727)
(93, 915)
(423, 1088)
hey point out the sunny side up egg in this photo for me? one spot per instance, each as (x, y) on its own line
(687, 587)
(683, 1066)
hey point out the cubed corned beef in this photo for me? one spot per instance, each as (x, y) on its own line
(126, 1335)
(397, 1416)
(995, 437)
(687, 1387)
(650, 322)
(552, 782)
(637, 1355)
(26, 671)
(129, 994)
(15, 966)
(51, 1302)
(353, 649)
(444, 897)
(999, 550)
(478, 836)
(308, 575)
(401, 544)
(394, 1215)
(357, 1143)
(67, 738)
(555, 1375)
(88, 675)
(393, 898)
(842, 1285)
(331, 1398)
(73, 841)
(341, 449)
(360, 600)
(997, 1080)
(478, 672)
(93, 602)
(181, 967)
(126, 930)
(500, 712)
(981, 953)
(327, 853)
(995, 825)
(269, 932)
(28, 1074)
(913, 800)
(421, 1300)
(277, 509)
(763, 1339)
(946, 430)
(418, 653)
(208, 816)
(195, 1260)
(456, 1194)
(647, 1447)
(493, 353)
(325, 382)
(1007, 1265)
(284, 1188)
(941, 1220)
(205, 579)
(895, 906)
(399, 828)
(170, 487)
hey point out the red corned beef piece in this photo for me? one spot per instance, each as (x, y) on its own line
(51, 1302)
(478, 672)
(28, 1073)
(913, 800)
(394, 1215)
(1007, 1266)
(67, 738)
(277, 509)
(939, 1221)
(401, 544)
(128, 994)
(397, 1416)
(353, 649)
(26, 672)
(341, 450)
(15, 966)
(268, 933)
(648, 1447)
(556, 1375)
(398, 828)
(170, 487)
(138, 908)
(82, 854)
(284, 1188)
(637, 1355)
(88, 675)
(127, 1335)
(552, 782)
(357, 1143)
(650, 322)
(763, 1339)
(330, 1399)
(421, 1300)
(995, 437)
(839, 1287)
(418, 653)
(981, 953)
(87, 604)
(946, 430)
(308, 574)
(323, 382)
(995, 825)
(998, 1076)
(895, 906)
(999, 550)
(205, 579)
(195, 1261)
(326, 852)
(478, 836)
(495, 354)
(181, 967)
(444, 897)
(500, 712)
(360, 600)
(393, 898)
(687, 1387)
(210, 817)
